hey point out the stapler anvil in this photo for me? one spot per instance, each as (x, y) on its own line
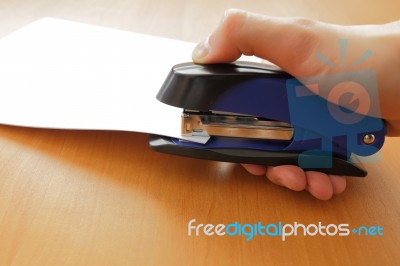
(257, 114)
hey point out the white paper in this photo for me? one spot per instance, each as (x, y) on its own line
(60, 74)
(68, 75)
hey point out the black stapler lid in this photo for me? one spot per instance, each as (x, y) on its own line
(194, 86)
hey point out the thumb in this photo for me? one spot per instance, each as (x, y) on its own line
(289, 43)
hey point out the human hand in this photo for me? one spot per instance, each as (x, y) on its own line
(292, 43)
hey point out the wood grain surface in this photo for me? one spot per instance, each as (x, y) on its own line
(104, 198)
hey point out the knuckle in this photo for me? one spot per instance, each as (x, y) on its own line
(304, 41)
(233, 14)
(305, 23)
(233, 20)
(234, 27)
(306, 35)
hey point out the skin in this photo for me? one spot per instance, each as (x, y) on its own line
(291, 44)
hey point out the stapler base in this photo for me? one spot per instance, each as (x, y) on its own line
(340, 166)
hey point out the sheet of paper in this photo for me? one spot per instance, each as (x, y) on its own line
(68, 75)
(61, 74)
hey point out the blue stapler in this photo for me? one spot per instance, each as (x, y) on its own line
(257, 114)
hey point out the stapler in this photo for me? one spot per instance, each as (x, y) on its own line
(253, 113)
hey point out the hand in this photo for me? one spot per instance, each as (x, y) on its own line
(292, 43)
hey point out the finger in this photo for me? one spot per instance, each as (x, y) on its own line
(338, 183)
(255, 169)
(319, 185)
(290, 176)
(287, 42)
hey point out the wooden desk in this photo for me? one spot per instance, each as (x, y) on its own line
(89, 198)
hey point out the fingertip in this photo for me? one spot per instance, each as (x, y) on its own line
(338, 183)
(220, 46)
(200, 52)
(255, 169)
(290, 176)
(319, 185)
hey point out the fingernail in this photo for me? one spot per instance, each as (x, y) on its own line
(200, 51)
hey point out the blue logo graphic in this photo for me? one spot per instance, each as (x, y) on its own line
(350, 112)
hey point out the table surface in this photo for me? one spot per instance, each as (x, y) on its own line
(90, 197)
